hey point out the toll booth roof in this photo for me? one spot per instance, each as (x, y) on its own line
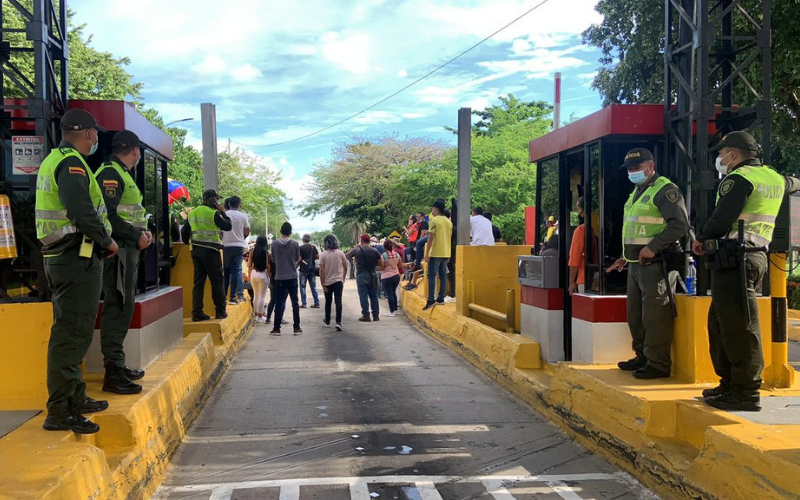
(617, 120)
(111, 115)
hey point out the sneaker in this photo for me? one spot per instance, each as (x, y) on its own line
(302, 306)
(233, 302)
(67, 421)
(338, 327)
(275, 332)
(714, 392)
(315, 306)
(428, 305)
(733, 402)
(201, 317)
(326, 324)
(392, 314)
(365, 319)
(650, 372)
(91, 405)
(375, 317)
(440, 301)
(221, 315)
(261, 319)
(284, 322)
(632, 364)
(449, 300)
(298, 331)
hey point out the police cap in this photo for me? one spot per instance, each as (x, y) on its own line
(79, 119)
(210, 193)
(636, 156)
(738, 140)
(125, 139)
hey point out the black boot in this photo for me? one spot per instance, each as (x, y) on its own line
(70, 421)
(91, 405)
(132, 373)
(115, 381)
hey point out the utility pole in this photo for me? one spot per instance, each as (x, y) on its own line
(208, 115)
(464, 175)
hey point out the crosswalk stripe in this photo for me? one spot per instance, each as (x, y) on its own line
(497, 490)
(427, 490)
(221, 493)
(359, 490)
(290, 492)
(564, 491)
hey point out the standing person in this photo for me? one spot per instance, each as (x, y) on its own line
(498, 236)
(367, 260)
(332, 272)
(308, 271)
(654, 220)
(751, 192)
(577, 251)
(72, 225)
(412, 233)
(129, 228)
(234, 243)
(258, 271)
(422, 239)
(481, 229)
(202, 231)
(390, 275)
(437, 253)
(286, 255)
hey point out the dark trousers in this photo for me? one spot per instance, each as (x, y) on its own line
(420, 249)
(272, 297)
(118, 308)
(650, 314)
(232, 264)
(437, 266)
(734, 340)
(75, 284)
(283, 289)
(334, 291)
(309, 277)
(368, 294)
(390, 287)
(207, 264)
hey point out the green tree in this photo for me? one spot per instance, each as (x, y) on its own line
(512, 111)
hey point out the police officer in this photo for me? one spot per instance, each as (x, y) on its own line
(129, 229)
(753, 193)
(654, 220)
(72, 225)
(202, 230)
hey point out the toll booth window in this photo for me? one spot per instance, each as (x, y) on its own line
(148, 279)
(549, 201)
(592, 221)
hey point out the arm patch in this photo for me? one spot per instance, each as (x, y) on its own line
(725, 187)
(77, 170)
(672, 195)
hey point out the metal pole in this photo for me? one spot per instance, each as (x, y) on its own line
(780, 374)
(557, 104)
(464, 175)
(208, 116)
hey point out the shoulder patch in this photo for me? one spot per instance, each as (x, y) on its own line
(646, 198)
(725, 187)
(672, 195)
(111, 191)
(110, 183)
(77, 170)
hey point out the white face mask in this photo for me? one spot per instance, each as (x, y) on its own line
(723, 169)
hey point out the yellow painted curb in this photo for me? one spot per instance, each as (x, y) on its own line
(138, 435)
(657, 430)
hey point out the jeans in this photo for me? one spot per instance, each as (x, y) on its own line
(437, 266)
(232, 257)
(283, 289)
(207, 264)
(334, 290)
(421, 250)
(367, 294)
(390, 287)
(309, 276)
(273, 294)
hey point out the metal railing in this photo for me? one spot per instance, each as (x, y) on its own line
(509, 317)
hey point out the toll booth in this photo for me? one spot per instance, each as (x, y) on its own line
(22, 279)
(583, 159)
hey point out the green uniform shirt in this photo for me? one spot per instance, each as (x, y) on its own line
(669, 201)
(123, 231)
(73, 193)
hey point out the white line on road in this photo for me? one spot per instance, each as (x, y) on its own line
(564, 491)
(497, 490)
(221, 493)
(427, 490)
(359, 490)
(290, 492)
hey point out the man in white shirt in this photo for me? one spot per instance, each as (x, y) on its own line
(234, 244)
(481, 228)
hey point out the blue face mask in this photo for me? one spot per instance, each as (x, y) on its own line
(637, 177)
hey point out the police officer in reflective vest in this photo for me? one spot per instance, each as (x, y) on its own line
(202, 230)
(129, 229)
(654, 220)
(753, 193)
(72, 225)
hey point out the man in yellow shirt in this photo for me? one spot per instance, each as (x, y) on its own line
(437, 252)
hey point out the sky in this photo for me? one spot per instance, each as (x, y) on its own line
(277, 70)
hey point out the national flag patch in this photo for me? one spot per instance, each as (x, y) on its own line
(77, 170)
(110, 183)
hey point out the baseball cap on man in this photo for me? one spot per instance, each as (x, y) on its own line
(125, 139)
(636, 156)
(438, 204)
(738, 140)
(78, 119)
(364, 238)
(210, 193)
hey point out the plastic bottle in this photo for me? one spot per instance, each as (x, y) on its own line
(691, 278)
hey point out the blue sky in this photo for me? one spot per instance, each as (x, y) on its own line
(277, 70)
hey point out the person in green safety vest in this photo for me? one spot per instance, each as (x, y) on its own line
(751, 192)
(129, 229)
(654, 220)
(72, 225)
(202, 231)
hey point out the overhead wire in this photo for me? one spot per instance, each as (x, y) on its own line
(403, 89)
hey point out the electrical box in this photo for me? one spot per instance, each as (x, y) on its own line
(786, 236)
(538, 271)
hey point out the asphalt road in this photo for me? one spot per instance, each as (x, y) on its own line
(379, 410)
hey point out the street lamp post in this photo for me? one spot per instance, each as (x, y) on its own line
(178, 121)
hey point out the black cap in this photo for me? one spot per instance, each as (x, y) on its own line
(439, 203)
(636, 156)
(738, 140)
(78, 119)
(125, 139)
(210, 193)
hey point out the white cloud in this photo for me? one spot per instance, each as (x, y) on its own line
(402, 73)
(245, 73)
(211, 65)
(349, 52)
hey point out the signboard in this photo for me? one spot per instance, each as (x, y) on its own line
(27, 152)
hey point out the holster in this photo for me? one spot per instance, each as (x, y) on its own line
(722, 254)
